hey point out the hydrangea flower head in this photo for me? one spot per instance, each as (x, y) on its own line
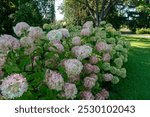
(107, 77)
(115, 80)
(103, 47)
(96, 69)
(76, 41)
(104, 94)
(88, 24)
(106, 57)
(82, 52)
(73, 67)
(70, 90)
(21, 28)
(88, 68)
(36, 33)
(89, 82)
(94, 59)
(119, 47)
(54, 35)
(54, 80)
(13, 86)
(113, 70)
(123, 72)
(94, 76)
(26, 41)
(86, 32)
(106, 66)
(118, 62)
(111, 40)
(87, 95)
(65, 32)
(7, 42)
(59, 47)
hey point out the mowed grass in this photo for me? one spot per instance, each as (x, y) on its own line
(137, 84)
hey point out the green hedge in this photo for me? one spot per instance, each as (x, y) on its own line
(143, 31)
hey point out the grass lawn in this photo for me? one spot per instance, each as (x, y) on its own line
(137, 84)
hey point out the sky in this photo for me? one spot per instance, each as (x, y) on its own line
(58, 15)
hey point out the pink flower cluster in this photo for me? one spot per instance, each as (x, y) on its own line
(70, 91)
(107, 77)
(104, 94)
(76, 41)
(73, 67)
(94, 59)
(103, 47)
(65, 32)
(87, 28)
(54, 80)
(35, 33)
(13, 86)
(21, 28)
(82, 52)
(89, 82)
(87, 95)
(8, 42)
(88, 68)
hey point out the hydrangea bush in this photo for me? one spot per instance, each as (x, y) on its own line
(60, 64)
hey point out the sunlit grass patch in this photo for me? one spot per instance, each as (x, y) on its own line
(136, 85)
(139, 42)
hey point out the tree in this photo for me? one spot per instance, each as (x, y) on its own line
(14, 11)
(137, 14)
(34, 12)
(28, 12)
(47, 9)
(97, 9)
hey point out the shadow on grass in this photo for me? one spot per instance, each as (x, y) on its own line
(136, 86)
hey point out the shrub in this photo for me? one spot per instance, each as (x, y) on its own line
(60, 64)
(143, 31)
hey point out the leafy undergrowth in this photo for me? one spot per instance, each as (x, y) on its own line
(137, 84)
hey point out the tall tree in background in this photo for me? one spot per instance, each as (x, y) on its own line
(137, 13)
(13, 11)
(97, 9)
(34, 12)
(75, 12)
(47, 9)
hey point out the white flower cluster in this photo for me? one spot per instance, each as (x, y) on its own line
(104, 94)
(58, 34)
(88, 68)
(65, 32)
(35, 33)
(28, 36)
(87, 95)
(82, 52)
(103, 47)
(89, 82)
(13, 86)
(21, 28)
(54, 80)
(76, 41)
(70, 91)
(87, 28)
(73, 67)
(8, 42)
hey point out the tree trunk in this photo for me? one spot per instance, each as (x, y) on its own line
(97, 13)
(102, 10)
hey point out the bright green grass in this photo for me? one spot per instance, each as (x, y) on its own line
(137, 84)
